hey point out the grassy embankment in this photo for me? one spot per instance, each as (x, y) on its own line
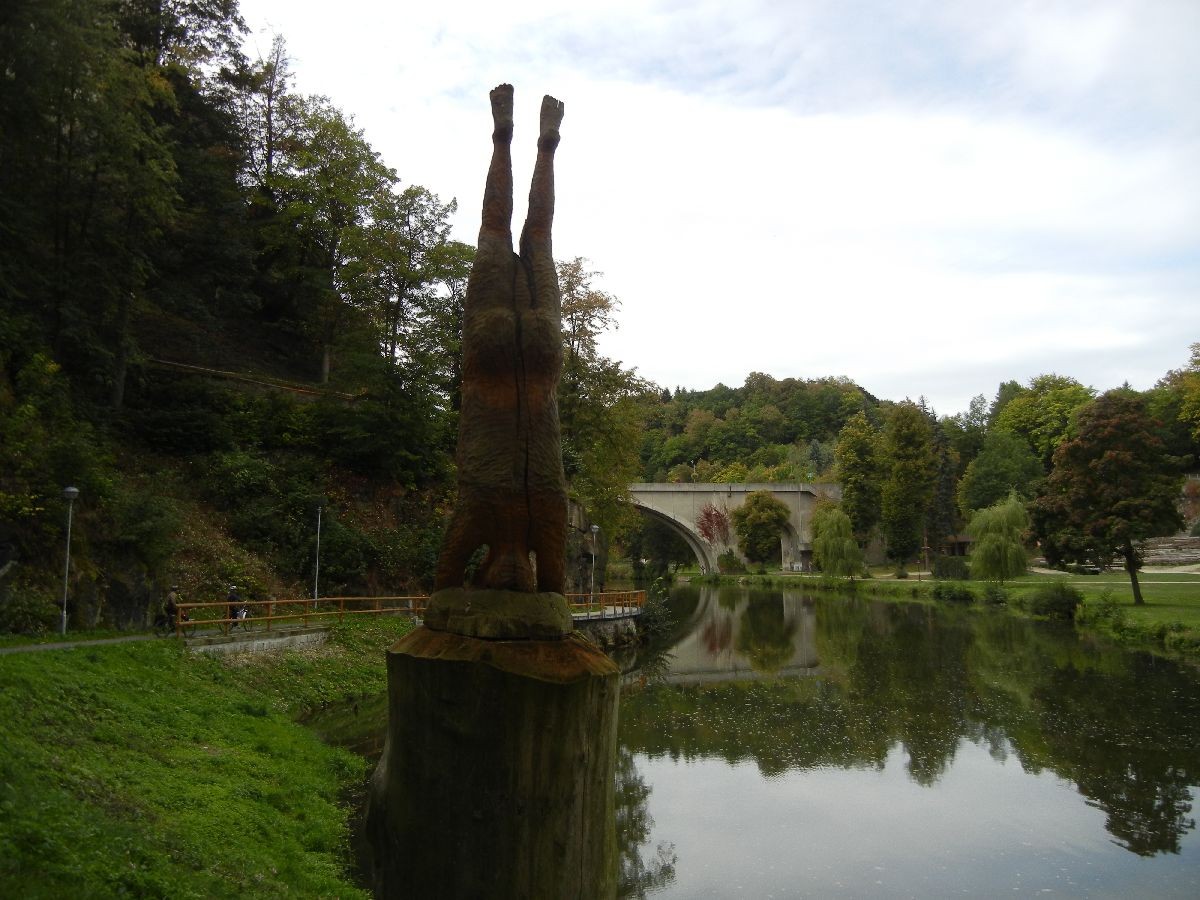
(1169, 620)
(138, 769)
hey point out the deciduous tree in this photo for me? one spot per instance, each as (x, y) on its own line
(998, 532)
(908, 451)
(1043, 414)
(1112, 486)
(713, 525)
(835, 551)
(1004, 465)
(859, 470)
(759, 523)
(602, 405)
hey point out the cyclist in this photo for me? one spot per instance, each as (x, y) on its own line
(171, 607)
(235, 603)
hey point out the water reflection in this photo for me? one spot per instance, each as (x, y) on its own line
(728, 635)
(638, 875)
(839, 747)
(793, 684)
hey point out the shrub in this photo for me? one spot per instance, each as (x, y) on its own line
(729, 563)
(1057, 600)
(953, 592)
(27, 610)
(656, 617)
(994, 595)
(951, 568)
(1105, 611)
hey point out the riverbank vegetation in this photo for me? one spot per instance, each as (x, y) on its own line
(1168, 621)
(138, 769)
(1049, 472)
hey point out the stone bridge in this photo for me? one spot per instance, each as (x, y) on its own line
(678, 505)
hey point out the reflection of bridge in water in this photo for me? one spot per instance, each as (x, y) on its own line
(720, 641)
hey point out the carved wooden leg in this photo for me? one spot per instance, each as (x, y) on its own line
(535, 236)
(464, 535)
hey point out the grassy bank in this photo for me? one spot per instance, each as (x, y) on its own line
(1168, 621)
(137, 769)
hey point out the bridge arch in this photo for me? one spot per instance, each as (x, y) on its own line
(703, 552)
(678, 505)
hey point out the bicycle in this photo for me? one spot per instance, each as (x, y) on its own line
(164, 625)
(240, 618)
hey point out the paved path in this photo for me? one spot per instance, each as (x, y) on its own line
(67, 645)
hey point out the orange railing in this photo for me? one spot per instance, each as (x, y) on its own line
(269, 613)
(608, 605)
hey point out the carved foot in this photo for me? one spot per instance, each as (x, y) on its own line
(552, 114)
(502, 112)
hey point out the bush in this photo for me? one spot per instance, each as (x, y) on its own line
(729, 563)
(953, 592)
(901, 572)
(27, 610)
(951, 568)
(994, 595)
(1057, 600)
(656, 617)
(1104, 612)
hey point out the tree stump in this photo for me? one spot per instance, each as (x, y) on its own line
(497, 776)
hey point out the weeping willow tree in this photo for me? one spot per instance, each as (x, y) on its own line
(835, 550)
(998, 532)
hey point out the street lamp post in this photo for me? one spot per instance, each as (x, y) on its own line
(317, 565)
(69, 494)
(595, 532)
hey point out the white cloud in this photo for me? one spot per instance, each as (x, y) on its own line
(927, 198)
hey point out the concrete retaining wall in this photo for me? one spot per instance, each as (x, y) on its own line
(258, 641)
(609, 633)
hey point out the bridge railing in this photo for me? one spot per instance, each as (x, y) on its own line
(607, 605)
(274, 613)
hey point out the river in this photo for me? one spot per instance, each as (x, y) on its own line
(778, 745)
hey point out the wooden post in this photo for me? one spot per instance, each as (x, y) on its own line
(497, 777)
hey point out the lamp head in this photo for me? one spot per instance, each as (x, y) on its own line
(70, 493)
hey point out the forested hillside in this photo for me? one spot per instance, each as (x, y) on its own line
(219, 310)
(916, 479)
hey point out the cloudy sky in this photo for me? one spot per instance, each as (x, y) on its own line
(926, 197)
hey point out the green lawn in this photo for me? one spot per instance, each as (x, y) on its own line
(137, 769)
(1169, 597)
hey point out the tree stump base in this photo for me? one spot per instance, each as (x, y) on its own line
(497, 775)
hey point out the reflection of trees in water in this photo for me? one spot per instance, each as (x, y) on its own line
(1124, 728)
(766, 638)
(637, 876)
(1129, 743)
